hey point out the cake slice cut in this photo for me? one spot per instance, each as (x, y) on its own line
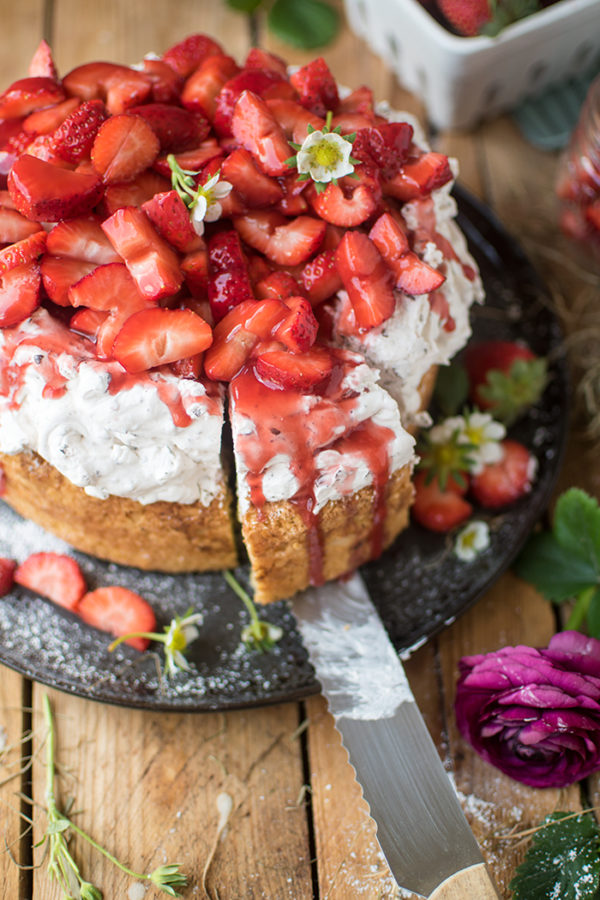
(125, 467)
(323, 477)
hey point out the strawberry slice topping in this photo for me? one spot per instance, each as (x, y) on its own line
(74, 139)
(285, 242)
(239, 333)
(45, 121)
(437, 509)
(411, 274)
(23, 252)
(366, 278)
(177, 129)
(254, 127)
(228, 280)
(419, 177)
(154, 337)
(294, 371)
(335, 207)
(28, 94)
(124, 146)
(47, 193)
(320, 277)
(279, 285)
(298, 331)
(118, 611)
(14, 226)
(119, 86)
(386, 147)
(188, 54)
(59, 273)
(171, 218)
(253, 186)
(202, 88)
(195, 271)
(261, 82)
(42, 63)
(53, 575)
(133, 193)
(151, 261)
(7, 575)
(108, 287)
(317, 87)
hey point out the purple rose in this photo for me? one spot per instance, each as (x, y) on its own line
(534, 714)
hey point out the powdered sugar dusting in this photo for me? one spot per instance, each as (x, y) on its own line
(355, 661)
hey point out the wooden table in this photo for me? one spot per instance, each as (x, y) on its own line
(147, 784)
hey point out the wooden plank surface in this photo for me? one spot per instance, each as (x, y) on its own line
(147, 787)
(14, 774)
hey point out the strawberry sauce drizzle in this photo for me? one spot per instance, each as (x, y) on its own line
(298, 426)
(427, 232)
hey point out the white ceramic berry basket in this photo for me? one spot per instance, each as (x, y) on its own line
(465, 79)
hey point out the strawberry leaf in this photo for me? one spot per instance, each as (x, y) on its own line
(308, 24)
(577, 525)
(509, 395)
(452, 389)
(562, 861)
(593, 615)
(554, 570)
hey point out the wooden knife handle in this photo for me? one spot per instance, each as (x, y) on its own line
(473, 883)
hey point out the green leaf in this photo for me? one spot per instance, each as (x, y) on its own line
(577, 525)
(562, 861)
(553, 569)
(58, 826)
(451, 389)
(245, 6)
(304, 23)
(593, 616)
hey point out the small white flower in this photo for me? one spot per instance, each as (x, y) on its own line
(472, 540)
(206, 206)
(478, 430)
(325, 156)
(444, 431)
(180, 633)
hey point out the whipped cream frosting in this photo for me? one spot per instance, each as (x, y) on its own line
(105, 431)
(322, 431)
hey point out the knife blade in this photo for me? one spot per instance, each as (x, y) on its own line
(421, 828)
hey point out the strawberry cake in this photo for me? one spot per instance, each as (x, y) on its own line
(219, 280)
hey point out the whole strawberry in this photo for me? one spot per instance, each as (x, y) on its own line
(505, 378)
(473, 17)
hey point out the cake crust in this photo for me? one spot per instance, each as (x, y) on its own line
(162, 536)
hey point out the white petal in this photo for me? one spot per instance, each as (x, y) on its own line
(213, 212)
(209, 185)
(222, 190)
(190, 632)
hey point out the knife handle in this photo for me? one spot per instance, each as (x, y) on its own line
(473, 883)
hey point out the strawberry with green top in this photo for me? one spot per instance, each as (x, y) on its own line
(505, 378)
(473, 17)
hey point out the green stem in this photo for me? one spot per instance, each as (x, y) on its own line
(151, 635)
(105, 852)
(50, 751)
(239, 590)
(580, 610)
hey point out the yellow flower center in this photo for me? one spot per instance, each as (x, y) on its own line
(325, 154)
(178, 641)
(474, 436)
(468, 540)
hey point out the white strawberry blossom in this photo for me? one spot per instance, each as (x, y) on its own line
(325, 156)
(478, 430)
(180, 633)
(472, 540)
(206, 206)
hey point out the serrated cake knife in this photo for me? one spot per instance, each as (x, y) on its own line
(421, 828)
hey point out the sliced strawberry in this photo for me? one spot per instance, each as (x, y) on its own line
(119, 86)
(7, 575)
(53, 575)
(386, 147)
(389, 237)
(190, 53)
(15, 227)
(254, 187)
(333, 206)
(294, 371)
(28, 94)
(42, 147)
(202, 88)
(118, 611)
(87, 322)
(195, 270)
(45, 121)
(351, 122)
(177, 129)
(279, 285)
(260, 82)
(228, 281)
(124, 146)
(154, 337)
(42, 63)
(320, 277)
(81, 238)
(151, 261)
(47, 193)
(285, 242)
(294, 118)
(107, 288)
(75, 137)
(133, 193)
(262, 59)
(23, 252)
(239, 333)
(11, 129)
(255, 128)
(359, 101)
(316, 86)
(193, 160)
(419, 177)
(166, 83)
(411, 274)
(19, 293)
(171, 218)
(190, 367)
(366, 278)
(59, 273)
(298, 331)
(435, 509)
(503, 482)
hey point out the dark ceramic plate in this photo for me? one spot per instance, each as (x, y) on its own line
(418, 585)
